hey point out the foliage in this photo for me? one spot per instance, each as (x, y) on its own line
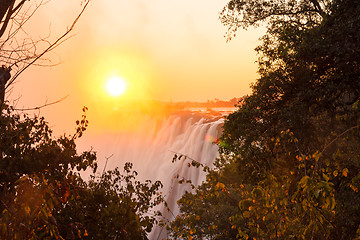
(301, 14)
(28, 148)
(290, 162)
(34, 168)
(43, 196)
(205, 213)
(111, 206)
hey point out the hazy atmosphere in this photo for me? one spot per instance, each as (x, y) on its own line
(165, 50)
(179, 119)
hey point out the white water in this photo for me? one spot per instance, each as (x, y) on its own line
(151, 147)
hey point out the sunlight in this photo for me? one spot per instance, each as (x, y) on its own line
(116, 86)
(133, 68)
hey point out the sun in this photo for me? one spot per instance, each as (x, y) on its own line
(115, 86)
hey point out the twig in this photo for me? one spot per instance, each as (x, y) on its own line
(180, 154)
(198, 164)
(52, 46)
(107, 159)
(39, 107)
(338, 136)
(7, 208)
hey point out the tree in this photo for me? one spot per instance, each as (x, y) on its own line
(34, 166)
(111, 206)
(42, 195)
(34, 172)
(303, 14)
(205, 213)
(295, 138)
(18, 50)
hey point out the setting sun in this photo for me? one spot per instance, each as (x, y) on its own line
(116, 86)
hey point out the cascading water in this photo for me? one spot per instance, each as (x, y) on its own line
(151, 146)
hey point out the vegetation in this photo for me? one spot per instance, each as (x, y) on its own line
(112, 206)
(289, 164)
(42, 194)
(35, 171)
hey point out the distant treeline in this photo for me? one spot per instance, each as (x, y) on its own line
(208, 104)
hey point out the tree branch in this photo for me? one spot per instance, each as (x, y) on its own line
(7, 19)
(52, 46)
(42, 106)
(338, 136)
(19, 5)
(318, 8)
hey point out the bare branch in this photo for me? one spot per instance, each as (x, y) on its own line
(55, 44)
(19, 5)
(338, 136)
(42, 106)
(7, 19)
(4, 6)
(106, 162)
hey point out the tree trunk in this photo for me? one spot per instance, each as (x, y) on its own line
(4, 77)
(4, 6)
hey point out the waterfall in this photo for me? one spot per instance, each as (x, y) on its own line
(151, 146)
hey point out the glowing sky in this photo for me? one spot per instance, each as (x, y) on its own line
(166, 49)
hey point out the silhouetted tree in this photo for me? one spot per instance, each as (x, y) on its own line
(42, 195)
(18, 51)
(289, 164)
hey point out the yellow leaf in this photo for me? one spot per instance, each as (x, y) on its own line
(192, 231)
(345, 172)
(27, 210)
(220, 185)
(246, 214)
(355, 189)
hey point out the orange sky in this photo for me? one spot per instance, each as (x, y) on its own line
(166, 50)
